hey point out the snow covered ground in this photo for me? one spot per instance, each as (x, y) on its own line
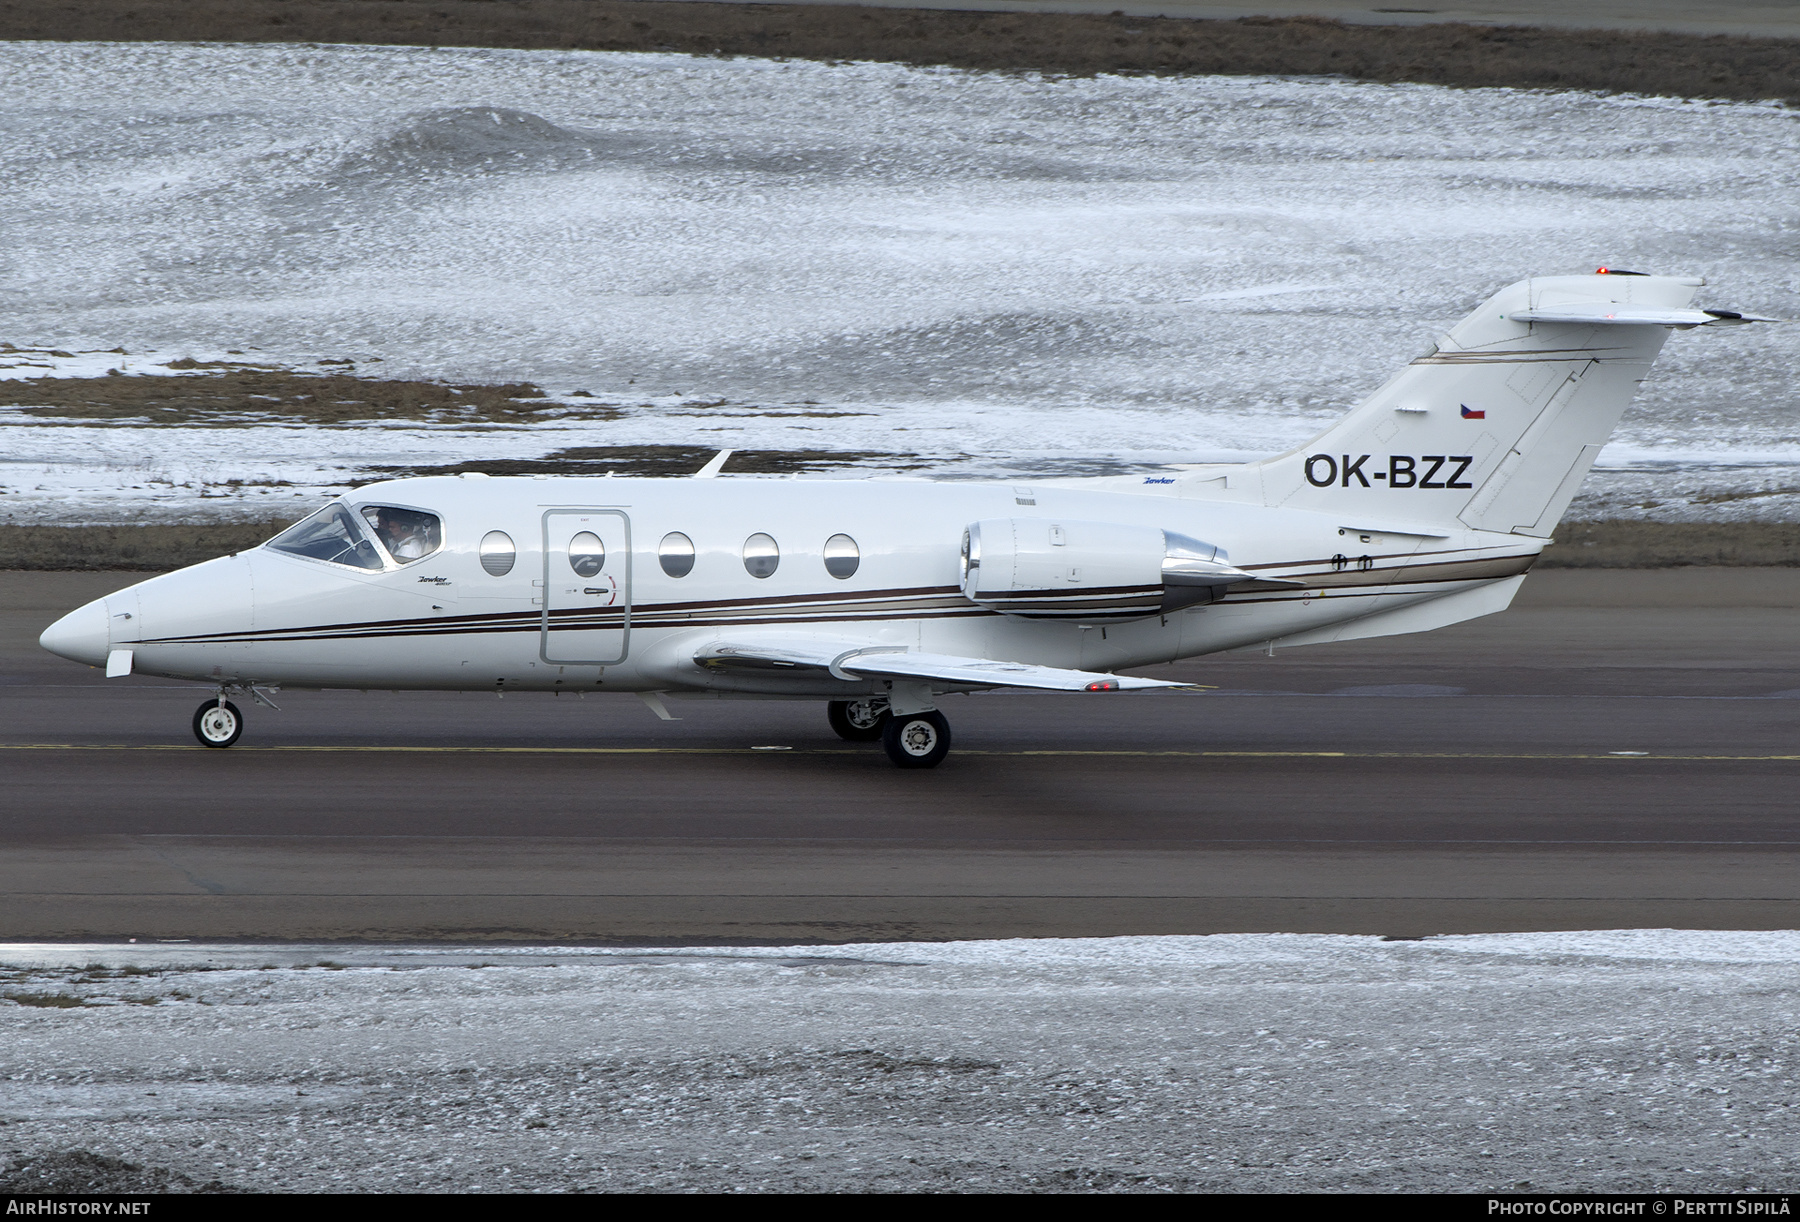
(1646, 1060)
(997, 273)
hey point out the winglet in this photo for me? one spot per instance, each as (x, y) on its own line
(714, 465)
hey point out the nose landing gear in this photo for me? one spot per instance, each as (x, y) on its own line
(217, 723)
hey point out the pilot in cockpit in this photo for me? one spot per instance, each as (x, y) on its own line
(405, 535)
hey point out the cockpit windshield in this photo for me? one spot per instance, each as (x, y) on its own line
(359, 538)
(331, 534)
(407, 534)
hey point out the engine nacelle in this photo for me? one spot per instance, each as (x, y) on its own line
(1088, 572)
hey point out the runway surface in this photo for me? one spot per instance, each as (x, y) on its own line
(1619, 750)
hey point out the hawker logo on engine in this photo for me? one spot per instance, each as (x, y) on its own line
(1401, 471)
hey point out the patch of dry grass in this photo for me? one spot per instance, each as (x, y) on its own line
(47, 1001)
(84, 1173)
(245, 396)
(153, 549)
(1661, 545)
(1688, 65)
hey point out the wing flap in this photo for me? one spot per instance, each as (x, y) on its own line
(986, 672)
(842, 660)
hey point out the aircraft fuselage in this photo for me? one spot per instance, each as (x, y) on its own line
(266, 617)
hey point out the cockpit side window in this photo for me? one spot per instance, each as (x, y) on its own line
(331, 534)
(407, 534)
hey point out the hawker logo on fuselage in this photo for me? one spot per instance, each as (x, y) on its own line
(1401, 471)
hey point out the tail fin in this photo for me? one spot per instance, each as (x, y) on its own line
(1495, 429)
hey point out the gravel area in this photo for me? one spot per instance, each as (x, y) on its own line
(1635, 1061)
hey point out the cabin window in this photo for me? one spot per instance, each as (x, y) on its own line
(587, 555)
(676, 554)
(761, 556)
(332, 534)
(407, 534)
(498, 553)
(841, 557)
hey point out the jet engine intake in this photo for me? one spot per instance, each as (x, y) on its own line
(1089, 572)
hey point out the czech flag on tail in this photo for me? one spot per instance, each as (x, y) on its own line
(1470, 413)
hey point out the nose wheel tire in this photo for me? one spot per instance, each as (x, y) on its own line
(916, 740)
(218, 724)
(857, 721)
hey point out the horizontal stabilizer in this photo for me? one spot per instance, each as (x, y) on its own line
(851, 662)
(1590, 313)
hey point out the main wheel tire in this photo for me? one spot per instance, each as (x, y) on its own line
(916, 740)
(218, 725)
(857, 721)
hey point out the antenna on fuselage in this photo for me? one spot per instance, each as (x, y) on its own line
(714, 465)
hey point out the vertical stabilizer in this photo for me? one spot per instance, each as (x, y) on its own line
(1495, 428)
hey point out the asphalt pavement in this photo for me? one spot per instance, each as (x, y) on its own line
(1619, 750)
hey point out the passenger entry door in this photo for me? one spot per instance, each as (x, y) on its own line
(587, 587)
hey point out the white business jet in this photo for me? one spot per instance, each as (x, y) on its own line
(1423, 507)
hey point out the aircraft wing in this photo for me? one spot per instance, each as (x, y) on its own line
(845, 661)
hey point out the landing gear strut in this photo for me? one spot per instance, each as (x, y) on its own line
(857, 721)
(916, 740)
(217, 723)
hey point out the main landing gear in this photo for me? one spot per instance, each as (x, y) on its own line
(857, 721)
(917, 740)
(911, 740)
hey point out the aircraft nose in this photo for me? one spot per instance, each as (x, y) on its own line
(83, 635)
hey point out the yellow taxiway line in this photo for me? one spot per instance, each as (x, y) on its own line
(1625, 757)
